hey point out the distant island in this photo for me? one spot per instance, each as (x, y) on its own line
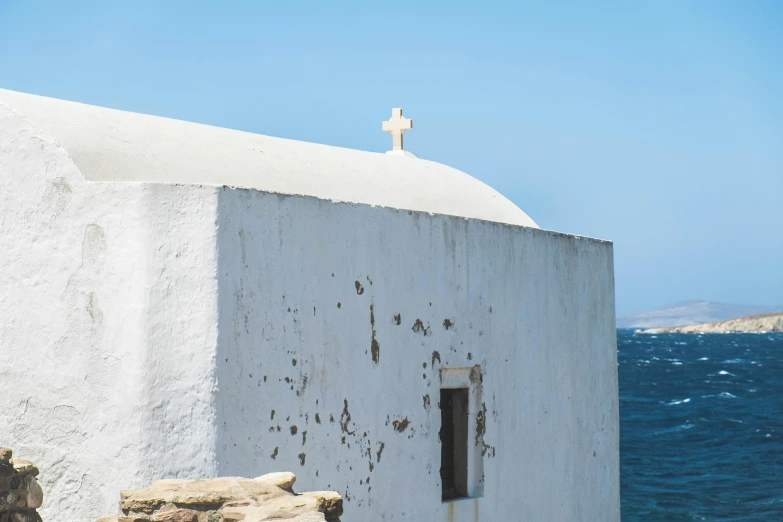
(770, 322)
(691, 312)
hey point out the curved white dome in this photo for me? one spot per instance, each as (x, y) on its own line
(112, 145)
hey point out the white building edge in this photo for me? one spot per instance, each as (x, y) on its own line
(182, 300)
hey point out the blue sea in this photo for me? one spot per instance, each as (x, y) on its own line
(701, 426)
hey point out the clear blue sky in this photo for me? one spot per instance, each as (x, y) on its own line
(658, 125)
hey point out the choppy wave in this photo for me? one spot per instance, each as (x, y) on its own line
(701, 423)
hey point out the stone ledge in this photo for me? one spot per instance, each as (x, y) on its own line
(227, 499)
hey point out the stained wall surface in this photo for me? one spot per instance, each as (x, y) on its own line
(153, 330)
(336, 320)
(108, 326)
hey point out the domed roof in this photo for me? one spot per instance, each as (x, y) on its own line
(112, 145)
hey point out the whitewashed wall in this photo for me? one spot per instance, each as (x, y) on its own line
(308, 286)
(107, 326)
(148, 331)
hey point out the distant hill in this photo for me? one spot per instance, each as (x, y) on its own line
(691, 312)
(750, 323)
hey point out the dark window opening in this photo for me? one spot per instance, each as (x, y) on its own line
(454, 443)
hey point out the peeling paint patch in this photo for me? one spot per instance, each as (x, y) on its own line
(419, 327)
(304, 437)
(401, 425)
(378, 454)
(481, 424)
(273, 415)
(359, 288)
(274, 454)
(435, 357)
(345, 418)
(447, 324)
(317, 419)
(397, 319)
(302, 386)
(376, 350)
(302, 458)
(475, 374)
(293, 430)
(426, 400)
(375, 347)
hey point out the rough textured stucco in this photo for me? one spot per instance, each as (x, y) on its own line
(308, 288)
(112, 145)
(189, 331)
(108, 326)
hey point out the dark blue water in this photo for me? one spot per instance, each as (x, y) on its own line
(701, 426)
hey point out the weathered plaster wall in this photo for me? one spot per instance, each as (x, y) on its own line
(107, 326)
(162, 330)
(335, 320)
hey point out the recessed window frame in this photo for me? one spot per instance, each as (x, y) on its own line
(469, 379)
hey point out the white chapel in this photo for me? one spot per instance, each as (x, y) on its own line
(181, 300)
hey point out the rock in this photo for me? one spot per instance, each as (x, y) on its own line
(34, 494)
(5, 455)
(25, 467)
(329, 503)
(20, 493)
(25, 515)
(227, 499)
(282, 479)
(175, 515)
(11, 481)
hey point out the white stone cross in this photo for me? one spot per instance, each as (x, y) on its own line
(397, 125)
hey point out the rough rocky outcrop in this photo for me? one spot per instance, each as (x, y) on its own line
(228, 499)
(20, 493)
(751, 323)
